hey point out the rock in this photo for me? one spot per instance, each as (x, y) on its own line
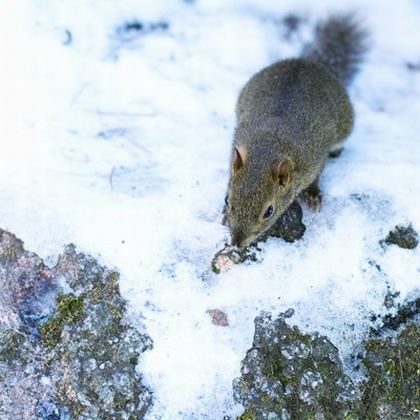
(290, 375)
(134, 28)
(413, 66)
(229, 256)
(66, 347)
(291, 22)
(218, 317)
(403, 236)
(406, 312)
(393, 388)
(288, 227)
(27, 293)
(389, 301)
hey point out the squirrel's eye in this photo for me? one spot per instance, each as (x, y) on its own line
(269, 212)
(227, 200)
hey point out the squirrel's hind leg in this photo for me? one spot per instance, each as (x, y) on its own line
(312, 196)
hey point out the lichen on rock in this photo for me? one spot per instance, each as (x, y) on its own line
(97, 352)
(392, 390)
(69, 310)
(291, 375)
(66, 347)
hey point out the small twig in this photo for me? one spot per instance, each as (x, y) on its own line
(110, 177)
(78, 93)
(121, 113)
(69, 37)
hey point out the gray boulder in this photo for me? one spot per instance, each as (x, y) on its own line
(66, 347)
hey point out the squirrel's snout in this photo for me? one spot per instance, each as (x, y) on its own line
(240, 240)
(237, 238)
(236, 242)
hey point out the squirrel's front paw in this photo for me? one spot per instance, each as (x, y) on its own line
(312, 197)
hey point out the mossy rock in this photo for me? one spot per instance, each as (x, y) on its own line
(11, 343)
(97, 349)
(392, 390)
(291, 375)
(406, 312)
(403, 236)
(11, 248)
(67, 348)
(69, 310)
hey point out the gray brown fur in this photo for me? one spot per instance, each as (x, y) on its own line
(290, 116)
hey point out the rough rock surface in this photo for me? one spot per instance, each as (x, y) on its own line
(290, 375)
(403, 236)
(289, 226)
(392, 390)
(405, 312)
(66, 350)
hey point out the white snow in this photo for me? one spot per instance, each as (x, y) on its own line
(121, 146)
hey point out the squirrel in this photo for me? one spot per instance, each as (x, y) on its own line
(291, 116)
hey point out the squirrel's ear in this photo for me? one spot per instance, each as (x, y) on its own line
(240, 154)
(282, 172)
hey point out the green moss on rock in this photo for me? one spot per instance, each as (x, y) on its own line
(99, 352)
(67, 349)
(291, 375)
(10, 344)
(247, 415)
(69, 310)
(288, 374)
(393, 370)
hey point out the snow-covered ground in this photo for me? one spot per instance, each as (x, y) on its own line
(118, 141)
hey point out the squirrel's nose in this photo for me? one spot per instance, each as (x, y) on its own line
(235, 242)
(237, 238)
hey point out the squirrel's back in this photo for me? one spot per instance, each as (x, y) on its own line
(297, 98)
(307, 96)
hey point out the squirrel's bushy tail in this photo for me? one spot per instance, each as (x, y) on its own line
(339, 44)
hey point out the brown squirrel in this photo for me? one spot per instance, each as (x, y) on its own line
(290, 117)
